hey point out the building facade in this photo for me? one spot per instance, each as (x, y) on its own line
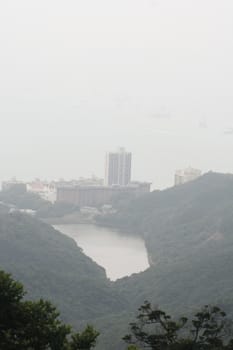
(186, 175)
(97, 196)
(118, 168)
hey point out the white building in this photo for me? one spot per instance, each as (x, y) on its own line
(118, 168)
(46, 190)
(186, 175)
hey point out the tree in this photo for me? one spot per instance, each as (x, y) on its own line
(85, 340)
(35, 325)
(42, 327)
(154, 329)
(209, 328)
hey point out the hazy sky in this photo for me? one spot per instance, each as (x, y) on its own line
(81, 77)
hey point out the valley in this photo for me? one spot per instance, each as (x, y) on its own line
(120, 254)
(187, 232)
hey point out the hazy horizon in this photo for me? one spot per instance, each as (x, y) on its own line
(81, 78)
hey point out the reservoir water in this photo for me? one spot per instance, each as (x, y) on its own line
(119, 254)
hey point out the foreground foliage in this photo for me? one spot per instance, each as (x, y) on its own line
(154, 329)
(35, 325)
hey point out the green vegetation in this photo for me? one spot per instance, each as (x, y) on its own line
(85, 340)
(154, 329)
(56, 210)
(188, 232)
(35, 325)
(51, 266)
(18, 196)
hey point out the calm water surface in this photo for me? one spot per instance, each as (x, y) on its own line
(120, 255)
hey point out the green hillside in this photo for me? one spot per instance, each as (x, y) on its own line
(188, 232)
(50, 265)
(189, 236)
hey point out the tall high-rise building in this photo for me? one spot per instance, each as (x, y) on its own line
(118, 168)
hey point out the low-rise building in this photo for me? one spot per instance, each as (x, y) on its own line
(46, 190)
(186, 175)
(97, 196)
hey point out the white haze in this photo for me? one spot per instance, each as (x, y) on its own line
(79, 78)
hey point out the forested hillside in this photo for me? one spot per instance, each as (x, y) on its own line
(188, 232)
(189, 236)
(51, 266)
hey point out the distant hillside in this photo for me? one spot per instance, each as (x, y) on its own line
(175, 218)
(50, 265)
(189, 236)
